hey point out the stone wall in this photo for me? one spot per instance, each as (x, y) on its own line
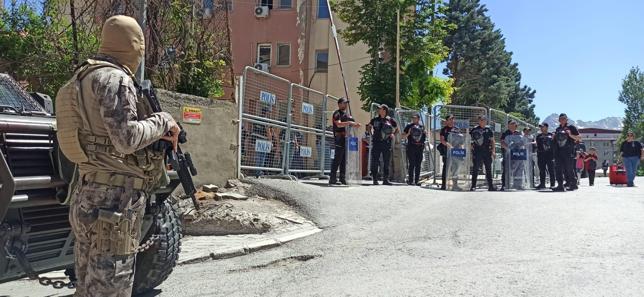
(212, 142)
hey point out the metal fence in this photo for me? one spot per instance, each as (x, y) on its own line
(306, 144)
(285, 128)
(264, 108)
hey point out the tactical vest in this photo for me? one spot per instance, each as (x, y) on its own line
(546, 143)
(384, 128)
(82, 135)
(477, 137)
(416, 133)
(562, 139)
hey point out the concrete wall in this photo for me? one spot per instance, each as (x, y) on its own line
(211, 143)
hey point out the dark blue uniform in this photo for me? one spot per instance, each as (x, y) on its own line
(545, 158)
(381, 145)
(565, 156)
(482, 147)
(340, 136)
(415, 147)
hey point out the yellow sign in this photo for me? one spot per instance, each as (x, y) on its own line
(192, 115)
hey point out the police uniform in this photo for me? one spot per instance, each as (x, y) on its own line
(565, 157)
(545, 159)
(106, 131)
(442, 149)
(415, 147)
(340, 137)
(383, 128)
(482, 143)
(503, 150)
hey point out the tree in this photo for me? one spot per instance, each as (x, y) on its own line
(480, 65)
(38, 43)
(38, 48)
(422, 31)
(632, 95)
(521, 101)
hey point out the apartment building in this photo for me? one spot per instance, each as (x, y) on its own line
(293, 39)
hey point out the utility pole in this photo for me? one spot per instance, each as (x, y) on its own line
(398, 58)
(142, 7)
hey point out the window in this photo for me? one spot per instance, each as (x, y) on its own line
(322, 61)
(283, 54)
(323, 9)
(268, 3)
(264, 53)
(285, 4)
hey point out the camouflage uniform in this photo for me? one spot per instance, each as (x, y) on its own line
(119, 169)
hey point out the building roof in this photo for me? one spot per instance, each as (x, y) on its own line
(599, 131)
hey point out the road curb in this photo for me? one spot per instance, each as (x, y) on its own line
(246, 248)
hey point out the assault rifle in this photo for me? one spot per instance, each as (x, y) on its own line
(180, 162)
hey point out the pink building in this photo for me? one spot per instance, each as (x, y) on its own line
(269, 34)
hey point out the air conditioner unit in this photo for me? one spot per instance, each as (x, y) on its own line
(262, 66)
(261, 11)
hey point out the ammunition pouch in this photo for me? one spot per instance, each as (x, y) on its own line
(118, 233)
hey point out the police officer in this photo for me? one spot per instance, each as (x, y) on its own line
(484, 151)
(445, 145)
(107, 132)
(545, 156)
(512, 130)
(383, 129)
(416, 135)
(565, 137)
(341, 120)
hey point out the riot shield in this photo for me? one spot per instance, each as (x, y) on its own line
(353, 175)
(518, 164)
(458, 161)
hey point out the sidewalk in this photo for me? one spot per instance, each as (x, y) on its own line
(196, 249)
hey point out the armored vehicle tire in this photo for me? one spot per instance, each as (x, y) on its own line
(154, 265)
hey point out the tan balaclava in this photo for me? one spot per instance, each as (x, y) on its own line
(122, 39)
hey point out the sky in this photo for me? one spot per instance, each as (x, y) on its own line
(575, 53)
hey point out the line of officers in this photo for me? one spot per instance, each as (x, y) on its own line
(555, 151)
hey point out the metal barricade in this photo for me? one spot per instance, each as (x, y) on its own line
(264, 108)
(466, 117)
(498, 121)
(306, 148)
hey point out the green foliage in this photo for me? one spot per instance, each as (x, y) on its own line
(199, 67)
(422, 30)
(632, 95)
(480, 65)
(38, 48)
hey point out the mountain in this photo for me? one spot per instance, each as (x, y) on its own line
(612, 123)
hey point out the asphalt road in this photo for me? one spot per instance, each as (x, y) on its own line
(407, 241)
